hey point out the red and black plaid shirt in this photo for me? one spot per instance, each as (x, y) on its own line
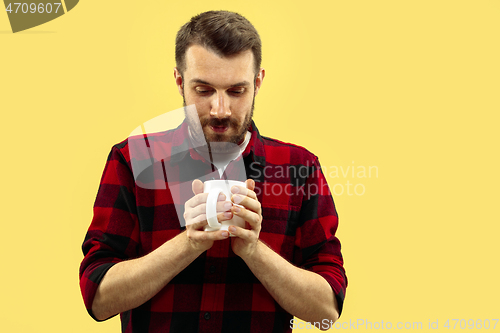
(217, 292)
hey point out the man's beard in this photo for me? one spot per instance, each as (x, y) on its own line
(220, 142)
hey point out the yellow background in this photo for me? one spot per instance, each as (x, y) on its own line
(410, 87)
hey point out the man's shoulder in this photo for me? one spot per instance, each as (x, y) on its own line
(141, 146)
(280, 152)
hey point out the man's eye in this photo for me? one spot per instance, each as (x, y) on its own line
(237, 92)
(203, 91)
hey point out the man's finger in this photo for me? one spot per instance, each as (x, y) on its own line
(195, 224)
(250, 184)
(211, 235)
(246, 202)
(197, 186)
(201, 236)
(221, 206)
(244, 191)
(251, 217)
(201, 220)
(240, 232)
(198, 199)
(201, 198)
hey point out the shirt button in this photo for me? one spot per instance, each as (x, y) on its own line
(212, 269)
(207, 315)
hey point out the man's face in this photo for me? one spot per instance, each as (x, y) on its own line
(223, 90)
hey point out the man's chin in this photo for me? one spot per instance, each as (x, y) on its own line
(223, 137)
(223, 143)
(217, 137)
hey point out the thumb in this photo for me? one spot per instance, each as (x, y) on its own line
(197, 186)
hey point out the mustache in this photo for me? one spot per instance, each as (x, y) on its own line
(225, 122)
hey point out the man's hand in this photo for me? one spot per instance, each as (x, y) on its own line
(246, 240)
(196, 219)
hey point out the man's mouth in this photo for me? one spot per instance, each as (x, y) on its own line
(219, 129)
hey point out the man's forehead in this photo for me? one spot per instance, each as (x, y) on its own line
(204, 64)
(200, 81)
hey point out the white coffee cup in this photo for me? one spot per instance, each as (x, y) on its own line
(214, 188)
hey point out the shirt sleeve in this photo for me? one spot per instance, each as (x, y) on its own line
(319, 248)
(113, 235)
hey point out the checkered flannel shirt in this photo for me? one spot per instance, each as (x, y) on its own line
(217, 292)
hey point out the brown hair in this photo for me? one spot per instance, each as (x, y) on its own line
(225, 33)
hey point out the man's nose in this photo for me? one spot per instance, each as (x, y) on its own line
(220, 106)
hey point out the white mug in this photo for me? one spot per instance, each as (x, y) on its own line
(214, 188)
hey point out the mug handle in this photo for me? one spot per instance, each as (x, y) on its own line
(213, 195)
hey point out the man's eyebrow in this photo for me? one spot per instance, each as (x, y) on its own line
(239, 84)
(199, 81)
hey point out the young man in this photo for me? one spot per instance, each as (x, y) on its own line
(159, 276)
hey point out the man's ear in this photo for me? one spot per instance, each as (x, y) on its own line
(259, 79)
(178, 81)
